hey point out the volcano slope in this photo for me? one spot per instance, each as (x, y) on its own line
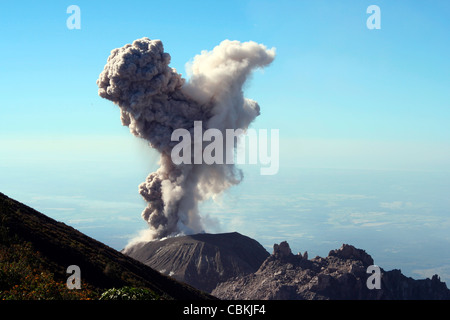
(58, 246)
(202, 260)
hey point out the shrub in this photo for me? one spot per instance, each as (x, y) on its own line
(128, 293)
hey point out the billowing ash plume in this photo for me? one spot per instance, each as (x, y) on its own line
(155, 100)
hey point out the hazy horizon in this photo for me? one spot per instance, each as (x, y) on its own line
(398, 217)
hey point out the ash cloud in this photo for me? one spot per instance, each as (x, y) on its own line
(154, 100)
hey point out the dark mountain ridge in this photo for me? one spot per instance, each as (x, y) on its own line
(101, 266)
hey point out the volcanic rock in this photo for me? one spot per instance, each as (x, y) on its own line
(341, 275)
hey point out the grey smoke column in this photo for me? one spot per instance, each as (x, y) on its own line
(155, 100)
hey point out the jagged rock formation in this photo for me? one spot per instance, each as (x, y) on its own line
(341, 275)
(202, 260)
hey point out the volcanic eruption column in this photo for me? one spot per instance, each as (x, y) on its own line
(154, 100)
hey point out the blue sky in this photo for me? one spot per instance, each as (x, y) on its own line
(343, 97)
(333, 79)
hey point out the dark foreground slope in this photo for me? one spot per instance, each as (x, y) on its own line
(202, 260)
(101, 266)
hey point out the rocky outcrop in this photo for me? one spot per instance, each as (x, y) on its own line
(341, 275)
(202, 260)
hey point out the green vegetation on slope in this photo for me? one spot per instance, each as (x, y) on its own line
(24, 277)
